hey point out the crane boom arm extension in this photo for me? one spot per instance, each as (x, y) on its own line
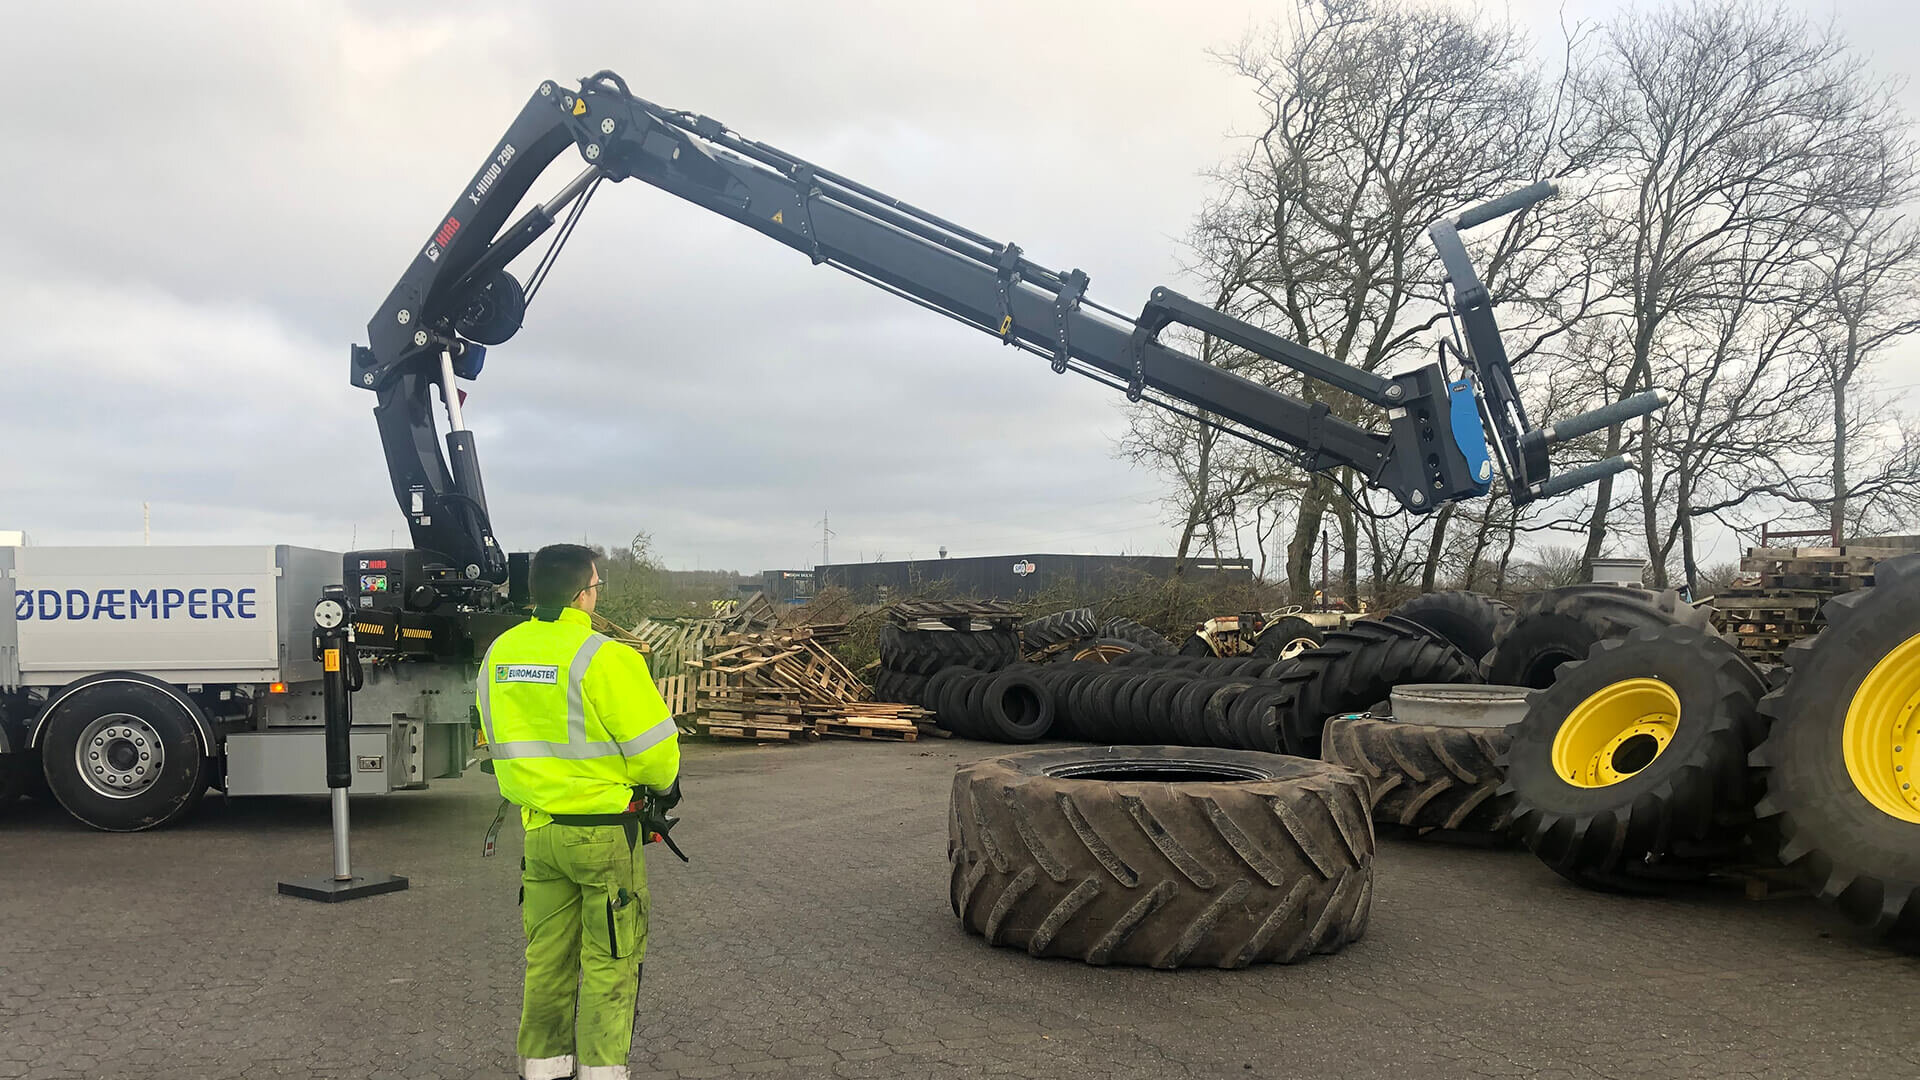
(456, 298)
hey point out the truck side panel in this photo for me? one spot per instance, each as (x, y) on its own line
(180, 614)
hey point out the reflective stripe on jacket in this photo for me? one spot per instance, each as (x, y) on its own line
(573, 719)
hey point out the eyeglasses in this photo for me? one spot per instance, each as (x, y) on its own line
(594, 586)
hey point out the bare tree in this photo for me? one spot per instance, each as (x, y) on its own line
(1743, 127)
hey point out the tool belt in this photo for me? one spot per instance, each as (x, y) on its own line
(628, 821)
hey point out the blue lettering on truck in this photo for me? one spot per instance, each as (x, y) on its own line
(80, 605)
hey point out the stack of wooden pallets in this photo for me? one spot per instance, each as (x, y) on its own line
(1780, 591)
(786, 685)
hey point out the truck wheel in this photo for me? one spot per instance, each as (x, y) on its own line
(1842, 758)
(13, 779)
(1287, 638)
(1161, 856)
(1632, 767)
(123, 756)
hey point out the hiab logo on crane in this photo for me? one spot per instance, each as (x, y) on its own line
(74, 605)
(485, 183)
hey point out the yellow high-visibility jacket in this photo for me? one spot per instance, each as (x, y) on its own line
(573, 719)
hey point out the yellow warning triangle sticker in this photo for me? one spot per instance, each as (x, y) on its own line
(580, 106)
(778, 219)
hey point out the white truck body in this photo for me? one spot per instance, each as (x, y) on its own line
(229, 628)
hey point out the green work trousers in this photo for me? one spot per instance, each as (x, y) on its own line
(584, 904)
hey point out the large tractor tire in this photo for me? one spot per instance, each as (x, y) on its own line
(898, 686)
(1425, 777)
(1842, 759)
(1161, 856)
(1355, 670)
(1474, 623)
(1631, 769)
(924, 652)
(1146, 637)
(1559, 625)
(1047, 630)
(1195, 645)
(1287, 638)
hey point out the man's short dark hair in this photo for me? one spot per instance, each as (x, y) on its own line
(559, 572)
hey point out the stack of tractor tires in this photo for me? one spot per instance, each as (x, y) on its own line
(1841, 760)
(1160, 856)
(910, 656)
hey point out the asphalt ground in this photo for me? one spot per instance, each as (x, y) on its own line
(811, 936)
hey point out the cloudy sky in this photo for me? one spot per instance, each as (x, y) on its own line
(206, 202)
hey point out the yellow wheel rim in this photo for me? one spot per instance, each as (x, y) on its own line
(1882, 728)
(1100, 654)
(1616, 732)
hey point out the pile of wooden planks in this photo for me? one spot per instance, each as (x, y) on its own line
(1779, 593)
(786, 685)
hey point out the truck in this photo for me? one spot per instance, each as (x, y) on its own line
(135, 679)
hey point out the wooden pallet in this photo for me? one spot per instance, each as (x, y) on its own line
(774, 733)
(847, 729)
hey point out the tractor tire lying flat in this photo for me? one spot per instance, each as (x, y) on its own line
(1842, 758)
(1425, 777)
(1161, 856)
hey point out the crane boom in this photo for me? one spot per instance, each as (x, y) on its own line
(456, 298)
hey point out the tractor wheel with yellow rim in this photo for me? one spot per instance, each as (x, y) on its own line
(1630, 771)
(1841, 759)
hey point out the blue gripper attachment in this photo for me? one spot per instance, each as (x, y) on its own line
(1468, 433)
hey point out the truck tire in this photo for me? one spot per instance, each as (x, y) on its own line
(1559, 625)
(1015, 707)
(1070, 625)
(1287, 638)
(1161, 856)
(1473, 622)
(1632, 768)
(13, 780)
(1146, 637)
(1355, 670)
(123, 755)
(924, 652)
(1424, 777)
(1840, 759)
